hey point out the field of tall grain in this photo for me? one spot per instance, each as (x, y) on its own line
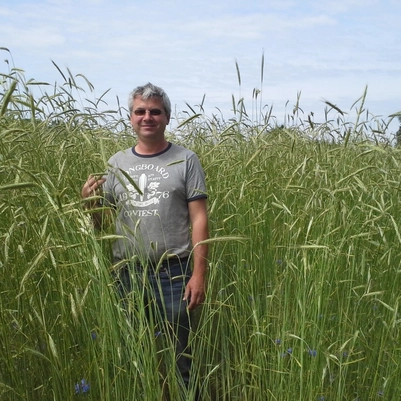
(304, 269)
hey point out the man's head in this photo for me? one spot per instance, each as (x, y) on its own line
(149, 91)
(150, 109)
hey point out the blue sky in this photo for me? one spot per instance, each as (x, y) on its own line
(322, 49)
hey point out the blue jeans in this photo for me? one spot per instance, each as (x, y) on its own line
(163, 291)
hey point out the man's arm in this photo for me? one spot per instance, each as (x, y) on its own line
(196, 287)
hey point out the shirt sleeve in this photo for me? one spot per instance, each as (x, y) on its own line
(196, 183)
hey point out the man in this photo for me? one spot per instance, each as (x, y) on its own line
(159, 195)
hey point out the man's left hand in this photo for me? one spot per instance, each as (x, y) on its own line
(195, 292)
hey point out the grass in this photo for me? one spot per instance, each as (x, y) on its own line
(303, 299)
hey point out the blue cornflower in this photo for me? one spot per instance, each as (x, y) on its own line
(93, 335)
(82, 387)
(278, 341)
(312, 352)
(286, 353)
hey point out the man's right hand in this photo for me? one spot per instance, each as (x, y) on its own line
(92, 186)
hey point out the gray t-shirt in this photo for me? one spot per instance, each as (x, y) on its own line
(156, 219)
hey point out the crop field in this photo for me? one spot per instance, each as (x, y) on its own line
(304, 265)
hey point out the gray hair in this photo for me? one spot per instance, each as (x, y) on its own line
(148, 91)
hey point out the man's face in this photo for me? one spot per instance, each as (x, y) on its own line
(148, 118)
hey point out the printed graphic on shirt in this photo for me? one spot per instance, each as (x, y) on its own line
(148, 178)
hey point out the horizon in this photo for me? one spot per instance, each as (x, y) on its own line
(327, 51)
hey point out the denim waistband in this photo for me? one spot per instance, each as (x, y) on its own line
(165, 264)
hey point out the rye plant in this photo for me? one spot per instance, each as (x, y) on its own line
(304, 269)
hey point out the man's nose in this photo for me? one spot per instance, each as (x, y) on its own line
(147, 114)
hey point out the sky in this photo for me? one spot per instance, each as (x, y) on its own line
(311, 50)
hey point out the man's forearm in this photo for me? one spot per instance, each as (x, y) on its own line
(200, 254)
(200, 233)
